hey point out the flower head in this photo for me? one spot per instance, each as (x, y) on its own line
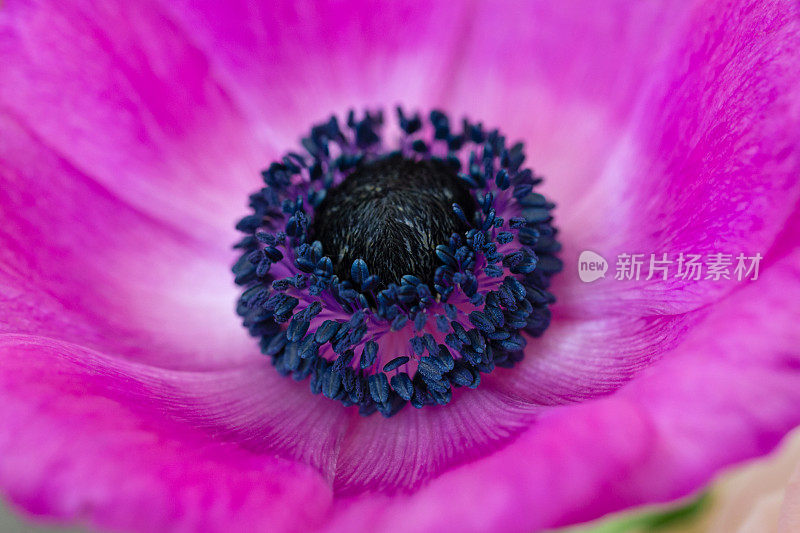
(458, 248)
(133, 399)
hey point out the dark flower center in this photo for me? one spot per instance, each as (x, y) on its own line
(392, 213)
(390, 271)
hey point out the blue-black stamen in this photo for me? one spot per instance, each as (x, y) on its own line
(391, 277)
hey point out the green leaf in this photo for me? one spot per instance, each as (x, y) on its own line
(651, 521)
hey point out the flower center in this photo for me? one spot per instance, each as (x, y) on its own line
(394, 276)
(392, 213)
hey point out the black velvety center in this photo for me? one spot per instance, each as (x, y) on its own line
(392, 213)
(355, 237)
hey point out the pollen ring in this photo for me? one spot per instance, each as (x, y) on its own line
(395, 275)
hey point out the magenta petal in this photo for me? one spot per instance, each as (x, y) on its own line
(291, 65)
(128, 100)
(604, 332)
(659, 128)
(563, 75)
(667, 122)
(81, 265)
(711, 402)
(88, 440)
(719, 133)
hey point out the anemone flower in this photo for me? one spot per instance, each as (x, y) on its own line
(411, 356)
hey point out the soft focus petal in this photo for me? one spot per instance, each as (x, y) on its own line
(562, 76)
(147, 180)
(128, 100)
(659, 127)
(753, 497)
(719, 175)
(748, 499)
(293, 63)
(789, 519)
(79, 264)
(88, 440)
(712, 402)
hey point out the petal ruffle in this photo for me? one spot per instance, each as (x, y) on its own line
(714, 401)
(88, 440)
(124, 97)
(661, 127)
(293, 64)
(727, 185)
(80, 265)
(552, 468)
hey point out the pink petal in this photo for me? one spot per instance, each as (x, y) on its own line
(790, 509)
(291, 65)
(659, 128)
(80, 265)
(64, 115)
(128, 100)
(562, 77)
(88, 440)
(713, 401)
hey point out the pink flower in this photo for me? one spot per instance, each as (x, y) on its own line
(133, 399)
